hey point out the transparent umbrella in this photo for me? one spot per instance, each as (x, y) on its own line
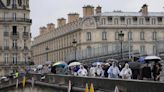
(74, 64)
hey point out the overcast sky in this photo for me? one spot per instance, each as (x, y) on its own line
(48, 11)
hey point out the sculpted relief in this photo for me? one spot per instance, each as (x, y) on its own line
(89, 23)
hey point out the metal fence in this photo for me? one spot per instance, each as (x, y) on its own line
(114, 51)
(101, 52)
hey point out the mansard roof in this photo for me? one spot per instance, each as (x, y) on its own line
(157, 14)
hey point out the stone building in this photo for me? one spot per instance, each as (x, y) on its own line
(97, 33)
(15, 36)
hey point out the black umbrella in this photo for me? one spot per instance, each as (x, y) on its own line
(134, 65)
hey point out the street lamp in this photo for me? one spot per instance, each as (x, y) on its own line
(47, 53)
(74, 45)
(121, 36)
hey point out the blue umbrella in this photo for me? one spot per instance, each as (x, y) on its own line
(141, 59)
(60, 64)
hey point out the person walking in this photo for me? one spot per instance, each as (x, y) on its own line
(99, 71)
(82, 71)
(156, 71)
(146, 72)
(113, 71)
(92, 71)
(126, 72)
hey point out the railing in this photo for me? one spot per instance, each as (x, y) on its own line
(102, 83)
(6, 34)
(15, 20)
(101, 52)
(5, 84)
(26, 35)
(6, 47)
(14, 35)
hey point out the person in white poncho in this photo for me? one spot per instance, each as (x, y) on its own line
(113, 71)
(99, 71)
(82, 71)
(126, 72)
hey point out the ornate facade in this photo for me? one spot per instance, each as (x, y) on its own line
(15, 36)
(97, 33)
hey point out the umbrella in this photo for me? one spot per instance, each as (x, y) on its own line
(97, 63)
(141, 59)
(60, 64)
(111, 60)
(74, 64)
(134, 65)
(40, 66)
(152, 58)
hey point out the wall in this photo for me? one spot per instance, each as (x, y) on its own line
(106, 84)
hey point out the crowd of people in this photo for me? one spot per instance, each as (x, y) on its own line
(145, 71)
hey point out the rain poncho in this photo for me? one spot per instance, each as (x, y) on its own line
(113, 71)
(126, 72)
(82, 71)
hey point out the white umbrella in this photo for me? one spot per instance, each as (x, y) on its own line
(74, 64)
(152, 58)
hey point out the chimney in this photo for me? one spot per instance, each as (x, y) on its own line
(88, 11)
(72, 17)
(144, 10)
(98, 9)
(43, 30)
(50, 26)
(61, 22)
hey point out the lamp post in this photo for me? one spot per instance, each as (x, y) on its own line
(47, 53)
(121, 36)
(74, 45)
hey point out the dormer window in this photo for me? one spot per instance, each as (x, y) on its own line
(159, 19)
(122, 19)
(134, 19)
(147, 19)
(110, 19)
